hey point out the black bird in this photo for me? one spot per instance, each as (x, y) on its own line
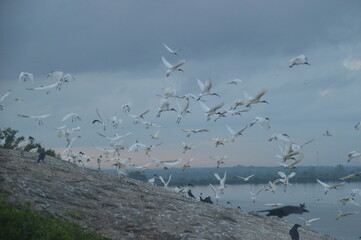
(206, 200)
(294, 232)
(190, 194)
(41, 155)
(286, 210)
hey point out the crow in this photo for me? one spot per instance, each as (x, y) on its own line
(286, 210)
(190, 194)
(41, 155)
(206, 200)
(294, 232)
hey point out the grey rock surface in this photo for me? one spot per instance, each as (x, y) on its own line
(123, 208)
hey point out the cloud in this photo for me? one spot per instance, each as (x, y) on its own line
(352, 64)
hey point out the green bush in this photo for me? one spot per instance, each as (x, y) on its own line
(25, 223)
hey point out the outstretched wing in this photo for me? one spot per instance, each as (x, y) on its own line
(166, 63)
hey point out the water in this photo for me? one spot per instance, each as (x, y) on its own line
(347, 228)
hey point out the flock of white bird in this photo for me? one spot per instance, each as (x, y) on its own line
(291, 153)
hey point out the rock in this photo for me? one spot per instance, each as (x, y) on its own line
(123, 208)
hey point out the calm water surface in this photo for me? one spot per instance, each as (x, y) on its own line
(344, 229)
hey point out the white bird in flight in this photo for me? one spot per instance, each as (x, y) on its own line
(61, 78)
(210, 111)
(73, 116)
(216, 196)
(234, 133)
(222, 182)
(264, 122)
(183, 111)
(285, 178)
(302, 59)
(308, 222)
(205, 88)
(256, 99)
(353, 154)
(235, 81)
(254, 195)
(100, 120)
(39, 119)
(25, 76)
(165, 182)
(191, 131)
(173, 51)
(46, 88)
(328, 187)
(165, 107)
(327, 133)
(246, 178)
(173, 68)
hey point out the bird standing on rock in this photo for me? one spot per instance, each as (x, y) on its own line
(294, 232)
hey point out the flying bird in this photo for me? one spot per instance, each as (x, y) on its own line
(254, 195)
(353, 154)
(328, 187)
(285, 178)
(73, 116)
(342, 215)
(256, 99)
(173, 68)
(45, 88)
(264, 122)
(191, 131)
(205, 89)
(101, 120)
(216, 196)
(61, 78)
(219, 159)
(246, 178)
(354, 175)
(285, 211)
(165, 107)
(39, 119)
(234, 81)
(302, 59)
(234, 133)
(327, 133)
(210, 111)
(183, 111)
(358, 126)
(308, 222)
(25, 76)
(164, 182)
(222, 182)
(175, 52)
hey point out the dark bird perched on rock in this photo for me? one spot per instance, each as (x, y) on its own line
(41, 155)
(294, 232)
(190, 194)
(206, 200)
(286, 210)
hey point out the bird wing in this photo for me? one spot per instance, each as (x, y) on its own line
(66, 117)
(5, 95)
(24, 116)
(337, 185)
(99, 115)
(323, 184)
(145, 112)
(260, 190)
(180, 63)
(170, 177)
(166, 63)
(281, 174)
(213, 189)
(169, 50)
(264, 123)
(250, 176)
(230, 130)
(292, 174)
(43, 87)
(44, 116)
(309, 141)
(204, 107)
(161, 179)
(314, 219)
(200, 84)
(260, 94)
(217, 177)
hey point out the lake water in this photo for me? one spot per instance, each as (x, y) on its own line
(344, 229)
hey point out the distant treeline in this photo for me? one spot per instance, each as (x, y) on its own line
(204, 176)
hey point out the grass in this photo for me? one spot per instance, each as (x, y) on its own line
(27, 224)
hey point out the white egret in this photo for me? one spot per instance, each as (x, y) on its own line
(172, 51)
(353, 154)
(302, 59)
(256, 99)
(234, 133)
(246, 178)
(205, 88)
(173, 68)
(165, 107)
(191, 131)
(308, 222)
(328, 187)
(222, 182)
(39, 119)
(264, 122)
(25, 76)
(210, 111)
(73, 116)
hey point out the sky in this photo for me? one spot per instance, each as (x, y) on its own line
(113, 50)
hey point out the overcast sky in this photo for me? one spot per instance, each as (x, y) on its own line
(113, 49)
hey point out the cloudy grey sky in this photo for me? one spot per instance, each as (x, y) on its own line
(114, 49)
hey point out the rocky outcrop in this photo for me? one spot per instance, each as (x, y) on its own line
(123, 208)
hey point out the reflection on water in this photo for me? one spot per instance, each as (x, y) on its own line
(320, 205)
